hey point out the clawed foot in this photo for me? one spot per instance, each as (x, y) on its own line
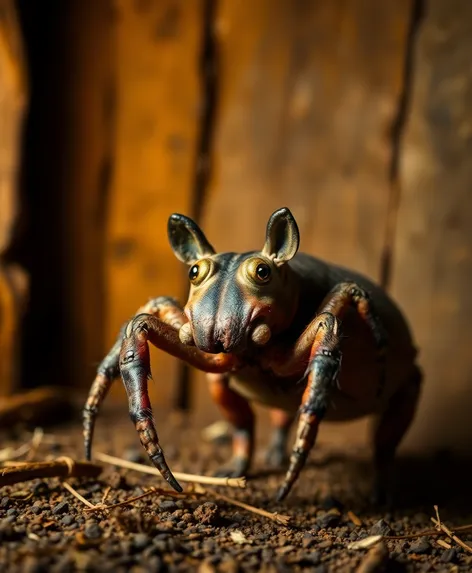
(237, 467)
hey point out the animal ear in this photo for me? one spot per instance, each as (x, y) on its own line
(282, 237)
(187, 239)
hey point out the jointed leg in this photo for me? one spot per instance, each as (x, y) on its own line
(318, 347)
(389, 432)
(168, 310)
(348, 293)
(323, 370)
(238, 412)
(340, 298)
(135, 372)
(276, 454)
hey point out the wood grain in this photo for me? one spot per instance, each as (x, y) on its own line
(308, 97)
(13, 280)
(433, 247)
(85, 171)
(157, 128)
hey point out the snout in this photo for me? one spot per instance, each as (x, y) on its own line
(227, 336)
(232, 339)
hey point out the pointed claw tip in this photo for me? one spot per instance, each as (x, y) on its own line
(175, 484)
(282, 493)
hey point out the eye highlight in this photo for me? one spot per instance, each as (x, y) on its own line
(199, 271)
(263, 272)
(259, 271)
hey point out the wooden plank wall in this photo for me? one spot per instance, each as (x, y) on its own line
(157, 130)
(308, 110)
(307, 97)
(432, 271)
(13, 280)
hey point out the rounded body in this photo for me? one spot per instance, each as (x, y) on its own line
(358, 383)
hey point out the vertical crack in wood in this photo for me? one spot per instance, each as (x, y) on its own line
(208, 72)
(417, 13)
(105, 175)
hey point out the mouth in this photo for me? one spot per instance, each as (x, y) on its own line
(227, 340)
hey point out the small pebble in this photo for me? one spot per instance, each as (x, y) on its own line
(312, 558)
(93, 531)
(284, 550)
(380, 528)
(165, 527)
(160, 545)
(449, 555)
(62, 507)
(140, 541)
(67, 519)
(5, 502)
(41, 488)
(328, 520)
(207, 513)
(420, 546)
(308, 540)
(167, 506)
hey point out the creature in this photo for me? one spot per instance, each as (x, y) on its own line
(271, 326)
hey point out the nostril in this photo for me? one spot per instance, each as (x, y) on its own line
(218, 346)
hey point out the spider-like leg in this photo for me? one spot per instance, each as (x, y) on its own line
(165, 308)
(135, 372)
(318, 346)
(349, 293)
(324, 365)
(238, 412)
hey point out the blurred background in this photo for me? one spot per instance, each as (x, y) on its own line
(356, 114)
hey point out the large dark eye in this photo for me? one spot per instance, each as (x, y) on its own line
(258, 271)
(199, 271)
(263, 272)
(193, 273)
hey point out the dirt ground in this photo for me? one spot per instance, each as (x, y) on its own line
(43, 527)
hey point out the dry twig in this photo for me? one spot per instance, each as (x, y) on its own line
(208, 480)
(279, 518)
(11, 454)
(353, 517)
(105, 494)
(76, 494)
(151, 491)
(60, 467)
(426, 533)
(440, 525)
